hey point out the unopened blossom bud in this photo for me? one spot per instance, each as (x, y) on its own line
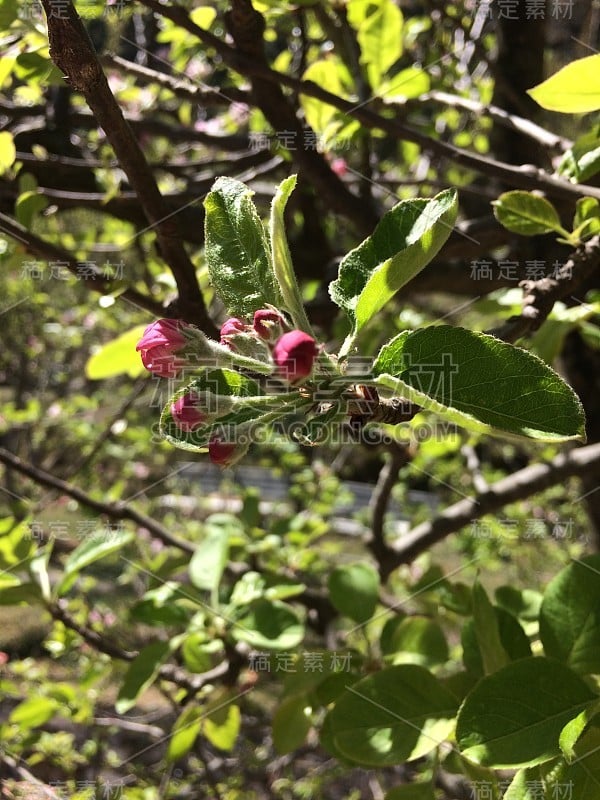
(158, 345)
(269, 324)
(225, 454)
(294, 354)
(339, 166)
(186, 412)
(232, 327)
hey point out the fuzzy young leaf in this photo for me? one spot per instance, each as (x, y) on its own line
(237, 249)
(406, 239)
(282, 260)
(481, 383)
(526, 213)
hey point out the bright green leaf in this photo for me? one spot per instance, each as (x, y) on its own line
(526, 213)
(396, 715)
(33, 712)
(237, 249)
(184, 732)
(405, 240)
(513, 639)
(221, 724)
(481, 383)
(379, 32)
(117, 357)
(8, 151)
(574, 89)
(581, 777)
(514, 717)
(354, 590)
(570, 616)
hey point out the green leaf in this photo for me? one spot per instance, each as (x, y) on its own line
(291, 723)
(323, 117)
(574, 89)
(210, 559)
(29, 593)
(269, 625)
(514, 717)
(244, 418)
(573, 730)
(237, 249)
(521, 603)
(379, 32)
(581, 777)
(33, 712)
(586, 221)
(406, 239)
(282, 260)
(570, 616)
(415, 640)
(526, 213)
(118, 357)
(396, 715)
(28, 206)
(9, 11)
(513, 640)
(527, 784)
(406, 84)
(221, 724)
(493, 654)
(582, 161)
(481, 383)
(141, 674)
(8, 151)
(354, 590)
(185, 732)
(94, 547)
(412, 791)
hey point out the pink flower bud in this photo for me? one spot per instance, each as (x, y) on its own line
(222, 453)
(186, 414)
(157, 346)
(339, 166)
(268, 324)
(232, 326)
(294, 354)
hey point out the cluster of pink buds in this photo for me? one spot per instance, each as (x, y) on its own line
(293, 351)
(167, 346)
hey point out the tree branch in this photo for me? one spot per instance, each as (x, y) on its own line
(540, 296)
(526, 176)
(399, 457)
(116, 511)
(524, 483)
(72, 51)
(96, 281)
